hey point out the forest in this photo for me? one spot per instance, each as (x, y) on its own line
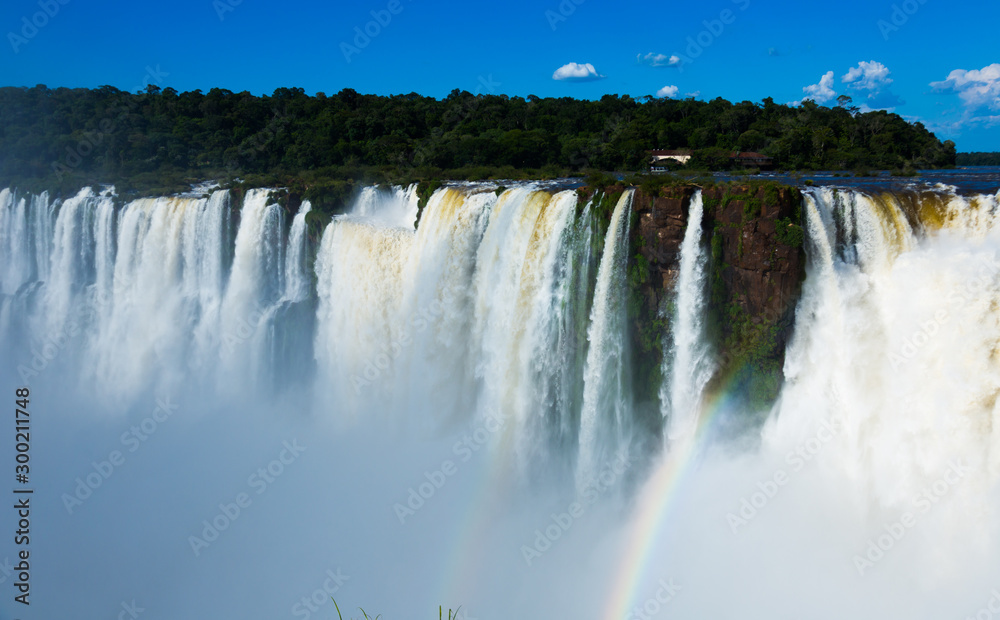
(977, 159)
(159, 139)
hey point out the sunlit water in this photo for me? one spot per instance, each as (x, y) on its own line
(229, 415)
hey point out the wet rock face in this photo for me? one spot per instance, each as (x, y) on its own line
(757, 266)
(661, 225)
(761, 271)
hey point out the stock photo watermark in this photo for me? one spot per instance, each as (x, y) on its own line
(130, 610)
(463, 449)
(75, 155)
(465, 110)
(900, 15)
(6, 570)
(33, 24)
(562, 12)
(989, 611)
(957, 299)
(610, 475)
(258, 142)
(796, 459)
(244, 329)
(652, 606)
(370, 30)
(381, 362)
(222, 7)
(45, 351)
(713, 29)
(894, 532)
(612, 128)
(131, 440)
(259, 481)
(313, 602)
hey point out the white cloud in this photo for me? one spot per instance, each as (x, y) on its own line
(956, 127)
(979, 89)
(868, 76)
(667, 91)
(658, 60)
(871, 80)
(823, 91)
(576, 72)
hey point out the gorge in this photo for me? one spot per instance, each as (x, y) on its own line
(658, 358)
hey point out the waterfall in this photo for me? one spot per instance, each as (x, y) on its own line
(472, 313)
(359, 271)
(687, 363)
(257, 275)
(459, 388)
(499, 306)
(104, 233)
(604, 419)
(158, 289)
(571, 344)
(15, 257)
(297, 285)
(484, 311)
(894, 342)
(523, 298)
(392, 206)
(73, 257)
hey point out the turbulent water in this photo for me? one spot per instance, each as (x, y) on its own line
(688, 363)
(462, 387)
(898, 335)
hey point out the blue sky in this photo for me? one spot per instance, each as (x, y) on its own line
(925, 59)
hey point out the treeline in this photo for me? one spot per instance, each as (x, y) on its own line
(64, 137)
(977, 159)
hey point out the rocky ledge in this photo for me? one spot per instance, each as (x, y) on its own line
(754, 241)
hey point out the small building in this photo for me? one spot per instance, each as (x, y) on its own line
(680, 156)
(660, 158)
(751, 160)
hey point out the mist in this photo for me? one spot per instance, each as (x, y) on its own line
(233, 417)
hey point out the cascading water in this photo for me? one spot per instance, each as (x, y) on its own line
(895, 340)
(74, 258)
(162, 314)
(520, 307)
(498, 332)
(605, 430)
(15, 255)
(297, 276)
(480, 310)
(687, 364)
(360, 280)
(395, 206)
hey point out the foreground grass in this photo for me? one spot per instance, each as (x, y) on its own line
(452, 615)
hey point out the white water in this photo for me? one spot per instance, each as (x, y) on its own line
(474, 315)
(520, 305)
(604, 425)
(73, 256)
(900, 344)
(688, 364)
(414, 342)
(297, 272)
(395, 206)
(877, 475)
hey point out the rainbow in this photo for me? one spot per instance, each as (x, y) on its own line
(652, 507)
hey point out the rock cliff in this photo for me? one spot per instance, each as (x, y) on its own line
(757, 265)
